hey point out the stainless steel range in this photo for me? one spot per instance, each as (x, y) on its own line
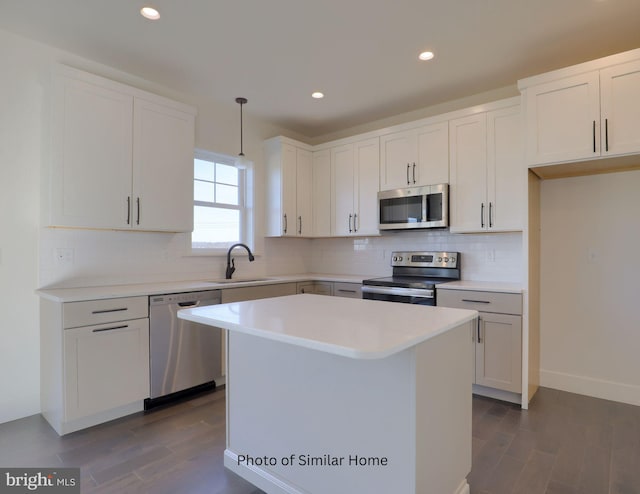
(415, 276)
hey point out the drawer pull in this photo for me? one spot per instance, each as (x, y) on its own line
(346, 291)
(476, 301)
(106, 311)
(109, 329)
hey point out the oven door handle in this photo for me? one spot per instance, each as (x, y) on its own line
(406, 292)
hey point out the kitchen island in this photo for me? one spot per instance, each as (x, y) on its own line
(338, 395)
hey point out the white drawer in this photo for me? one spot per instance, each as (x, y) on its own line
(87, 313)
(349, 290)
(498, 302)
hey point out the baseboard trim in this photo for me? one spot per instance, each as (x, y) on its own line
(589, 386)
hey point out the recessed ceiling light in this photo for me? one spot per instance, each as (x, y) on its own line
(150, 13)
(317, 95)
(426, 55)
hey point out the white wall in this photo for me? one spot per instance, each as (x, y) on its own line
(590, 291)
(21, 134)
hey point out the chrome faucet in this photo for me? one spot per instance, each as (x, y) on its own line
(231, 265)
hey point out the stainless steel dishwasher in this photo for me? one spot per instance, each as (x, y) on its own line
(185, 357)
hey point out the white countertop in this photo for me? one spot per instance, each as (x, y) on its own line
(355, 328)
(482, 286)
(78, 294)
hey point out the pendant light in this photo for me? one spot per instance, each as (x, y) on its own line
(241, 161)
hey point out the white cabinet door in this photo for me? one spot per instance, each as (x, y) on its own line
(343, 185)
(620, 100)
(289, 182)
(506, 170)
(162, 168)
(91, 157)
(304, 193)
(322, 193)
(563, 119)
(397, 154)
(468, 173)
(367, 160)
(415, 157)
(432, 161)
(499, 352)
(105, 366)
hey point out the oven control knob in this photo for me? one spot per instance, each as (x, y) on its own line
(439, 259)
(400, 258)
(453, 259)
(446, 259)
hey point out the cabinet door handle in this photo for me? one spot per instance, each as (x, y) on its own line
(476, 301)
(594, 136)
(479, 336)
(106, 311)
(408, 181)
(355, 222)
(490, 215)
(128, 210)
(138, 207)
(299, 225)
(414, 173)
(606, 134)
(285, 222)
(482, 215)
(350, 216)
(109, 329)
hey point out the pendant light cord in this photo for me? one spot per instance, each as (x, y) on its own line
(241, 101)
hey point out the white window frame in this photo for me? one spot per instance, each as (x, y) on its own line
(245, 202)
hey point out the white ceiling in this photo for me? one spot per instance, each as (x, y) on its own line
(361, 53)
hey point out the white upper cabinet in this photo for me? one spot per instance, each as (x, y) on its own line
(354, 192)
(620, 108)
(563, 120)
(289, 188)
(121, 158)
(415, 157)
(322, 193)
(587, 111)
(468, 174)
(506, 171)
(487, 174)
(162, 167)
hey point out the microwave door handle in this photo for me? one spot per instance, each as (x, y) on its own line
(424, 207)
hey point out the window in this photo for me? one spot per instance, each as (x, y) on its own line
(221, 216)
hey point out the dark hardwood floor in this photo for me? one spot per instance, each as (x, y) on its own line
(564, 444)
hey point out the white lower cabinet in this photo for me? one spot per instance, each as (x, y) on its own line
(94, 363)
(316, 287)
(498, 351)
(105, 366)
(349, 290)
(497, 338)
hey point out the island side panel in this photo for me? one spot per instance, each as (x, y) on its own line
(444, 411)
(288, 402)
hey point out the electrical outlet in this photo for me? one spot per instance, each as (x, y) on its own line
(63, 255)
(491, 255)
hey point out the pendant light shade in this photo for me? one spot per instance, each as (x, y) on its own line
(241, 161)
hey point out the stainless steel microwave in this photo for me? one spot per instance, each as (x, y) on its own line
(414, 207)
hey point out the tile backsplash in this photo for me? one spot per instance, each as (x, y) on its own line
(485, 257)
(108, 257)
